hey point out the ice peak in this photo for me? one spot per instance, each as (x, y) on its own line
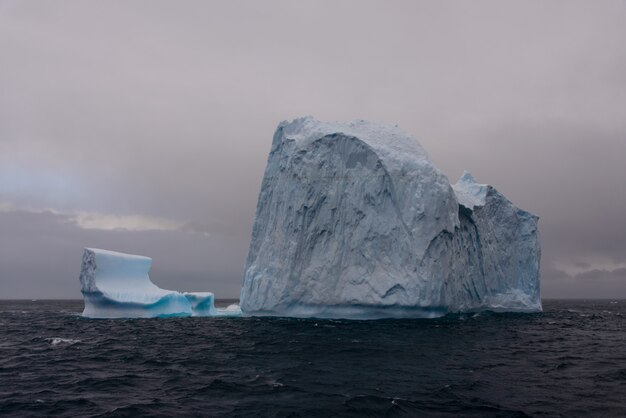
(467, 177)
(469, 192)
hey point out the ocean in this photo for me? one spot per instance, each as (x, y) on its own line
(568, 361)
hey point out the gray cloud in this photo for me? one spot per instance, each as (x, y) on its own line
(596, 283)
(165, 110)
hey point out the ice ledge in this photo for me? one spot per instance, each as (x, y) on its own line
(117, 285)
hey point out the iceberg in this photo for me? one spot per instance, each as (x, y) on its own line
(354, 220)
(117, 285)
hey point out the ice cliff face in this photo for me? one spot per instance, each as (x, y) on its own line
(504, 273)
(116, 285)
(354, 220)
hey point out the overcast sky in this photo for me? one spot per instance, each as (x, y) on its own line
(144, 126)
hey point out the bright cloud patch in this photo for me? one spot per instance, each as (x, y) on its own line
(108, 222)
(126, 222)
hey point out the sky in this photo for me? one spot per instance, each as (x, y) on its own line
(144, 126)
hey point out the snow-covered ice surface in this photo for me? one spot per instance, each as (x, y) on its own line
(354, 220)
(117, 285)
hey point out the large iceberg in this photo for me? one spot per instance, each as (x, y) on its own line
(354, 220)
(117, 285)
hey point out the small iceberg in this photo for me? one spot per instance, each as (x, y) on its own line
(117, 285)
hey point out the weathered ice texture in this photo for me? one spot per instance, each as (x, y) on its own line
(354, 220)
(505, 240)
(116, 285)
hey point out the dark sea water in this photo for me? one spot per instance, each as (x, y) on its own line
(568, 361)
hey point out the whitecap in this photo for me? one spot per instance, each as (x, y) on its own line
(57, 341)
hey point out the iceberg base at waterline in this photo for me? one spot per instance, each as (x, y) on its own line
(117, 285)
